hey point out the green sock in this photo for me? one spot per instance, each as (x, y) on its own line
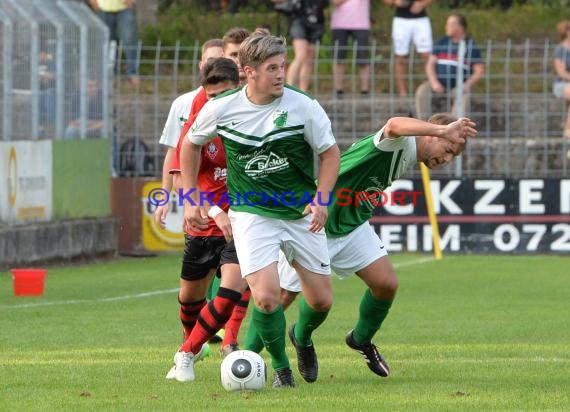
(253, 341)
(372, 313)
(271, 329)
(309, 320)
(213, 288)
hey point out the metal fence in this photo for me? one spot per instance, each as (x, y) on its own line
(55, 71)
(520, 122)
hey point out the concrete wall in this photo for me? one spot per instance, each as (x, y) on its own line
(82, 224)
(66, 239)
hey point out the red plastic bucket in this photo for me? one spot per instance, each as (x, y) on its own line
(29, 282)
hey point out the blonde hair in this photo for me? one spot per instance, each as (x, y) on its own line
(562, 29)
(259, 47)
(442, 118)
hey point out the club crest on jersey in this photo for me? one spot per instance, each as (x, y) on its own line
(280, 118)
(212, 150)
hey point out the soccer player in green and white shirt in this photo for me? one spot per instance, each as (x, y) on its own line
(271, 134)
(367, 168)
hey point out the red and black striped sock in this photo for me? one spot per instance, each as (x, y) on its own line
(189, 312)
(234, 323)
(212, 317)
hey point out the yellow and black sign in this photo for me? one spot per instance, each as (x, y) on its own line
(155, 238)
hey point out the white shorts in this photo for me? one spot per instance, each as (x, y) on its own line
(258, 240)
(348, 255)
(559, 87)
(404, 31)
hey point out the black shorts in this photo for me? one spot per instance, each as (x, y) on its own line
(202, 254)
(299, 29)
(362, 37)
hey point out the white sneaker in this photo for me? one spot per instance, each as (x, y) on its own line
(203, 353)
(171, 373)
(184, 366)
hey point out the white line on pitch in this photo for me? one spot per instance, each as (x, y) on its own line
(412, 262)
(147, 294)
(77, 301)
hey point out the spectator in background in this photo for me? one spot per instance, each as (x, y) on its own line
(46, 74)
(561, 85)
(306, 27)
(119, 16)
(441, 68)
(351, 18)
(410, 24)
(94, 112)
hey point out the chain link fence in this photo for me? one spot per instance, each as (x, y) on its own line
(520, 122)
(56, 55)
(55, 71)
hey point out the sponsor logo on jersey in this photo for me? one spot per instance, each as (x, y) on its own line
(375, 193)
(220, 173)
(263, 165)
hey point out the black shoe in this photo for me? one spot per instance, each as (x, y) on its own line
(283, 378)
(374, 360)
(306, 358)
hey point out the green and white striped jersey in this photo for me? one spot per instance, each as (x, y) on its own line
(270, 149)
(370, 165)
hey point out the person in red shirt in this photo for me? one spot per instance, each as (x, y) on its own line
(207, 251)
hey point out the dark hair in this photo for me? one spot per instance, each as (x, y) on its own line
(264, 28)
(219, 70)
(211, 43)
(461, 19)
(235, 35)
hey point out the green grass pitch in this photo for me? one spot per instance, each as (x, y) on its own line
(468, 333)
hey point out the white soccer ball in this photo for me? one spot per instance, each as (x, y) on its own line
(243, 370)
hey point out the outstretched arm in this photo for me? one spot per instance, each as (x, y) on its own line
(455, 132)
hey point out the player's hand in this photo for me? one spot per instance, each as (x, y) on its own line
(460, 130)
(194, 218)
(320, 214)
(223, 222)
(160, 214)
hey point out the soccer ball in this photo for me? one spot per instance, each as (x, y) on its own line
(243, 370)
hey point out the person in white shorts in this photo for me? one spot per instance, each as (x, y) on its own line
(367, 168)
(269, 132)
(410, 24)
(177, 116)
